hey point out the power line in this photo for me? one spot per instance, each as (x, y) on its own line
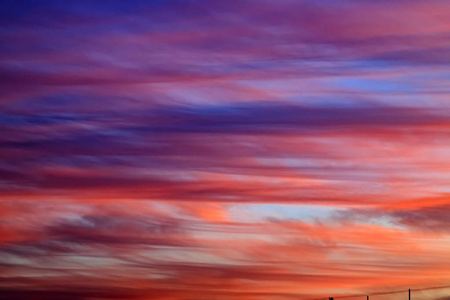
(387, 293)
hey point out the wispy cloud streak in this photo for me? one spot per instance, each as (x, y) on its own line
(223, 149)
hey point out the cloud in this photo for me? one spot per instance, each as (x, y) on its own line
(133, 136)
(429, 218)
(69, 150)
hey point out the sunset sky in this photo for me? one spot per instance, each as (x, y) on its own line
(224, 149)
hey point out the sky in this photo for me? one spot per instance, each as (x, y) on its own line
(222, 150)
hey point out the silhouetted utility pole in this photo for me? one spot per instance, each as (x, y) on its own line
(409, 294)
(367, 297)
